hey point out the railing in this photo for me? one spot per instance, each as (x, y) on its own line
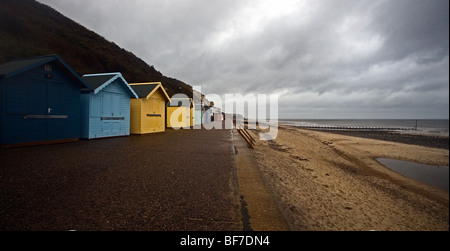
(251, 143)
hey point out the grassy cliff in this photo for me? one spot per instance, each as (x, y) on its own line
(29, 28)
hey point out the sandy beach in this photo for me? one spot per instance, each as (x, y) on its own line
(332, 182)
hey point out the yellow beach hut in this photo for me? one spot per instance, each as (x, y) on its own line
(148, 111)
(180, 113)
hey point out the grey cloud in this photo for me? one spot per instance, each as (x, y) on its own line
(362, 57)
(414, 26)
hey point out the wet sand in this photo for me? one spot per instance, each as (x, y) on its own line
(332, 182)
(434, 141)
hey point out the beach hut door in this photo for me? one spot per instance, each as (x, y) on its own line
(46, 113)
(111, 104)
(56, 111)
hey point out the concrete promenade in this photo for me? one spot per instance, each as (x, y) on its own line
(173, 181)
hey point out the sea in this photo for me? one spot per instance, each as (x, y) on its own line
(438, 127)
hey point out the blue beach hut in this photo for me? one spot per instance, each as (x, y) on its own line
(39, 101)
(105, 109)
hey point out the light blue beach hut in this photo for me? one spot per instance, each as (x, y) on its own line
(105, 109)
(198, 114)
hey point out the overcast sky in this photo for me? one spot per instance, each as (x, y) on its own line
(326, 58)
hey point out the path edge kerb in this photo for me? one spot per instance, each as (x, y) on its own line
(244, 154)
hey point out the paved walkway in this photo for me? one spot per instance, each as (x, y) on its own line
(177, 180)
(173, 181)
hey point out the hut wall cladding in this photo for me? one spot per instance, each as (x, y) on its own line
(136, 117)
(32, 93)
(112, 101)
(178, 117)
(155, 106)
(192, 116)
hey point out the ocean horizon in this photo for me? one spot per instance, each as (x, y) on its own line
(424, 126)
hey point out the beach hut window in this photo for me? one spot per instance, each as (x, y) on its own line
(48, 68)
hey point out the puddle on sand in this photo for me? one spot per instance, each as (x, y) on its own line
(436, 176)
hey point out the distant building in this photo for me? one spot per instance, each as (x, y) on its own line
(39, 101)
(217, 114)
(198, 107)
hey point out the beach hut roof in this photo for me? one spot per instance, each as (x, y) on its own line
(175, 102)
(21, 65)
(99, 81)
(146, 90)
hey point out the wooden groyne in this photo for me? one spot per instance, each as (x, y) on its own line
(357, 128)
